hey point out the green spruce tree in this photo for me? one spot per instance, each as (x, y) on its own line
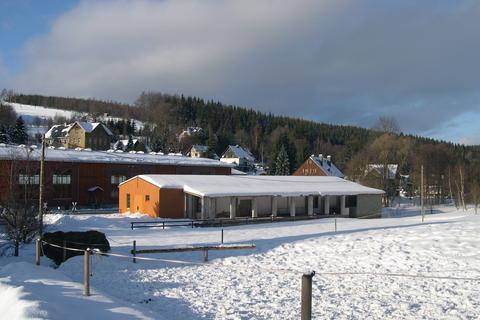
(282, 164)
(19, 135)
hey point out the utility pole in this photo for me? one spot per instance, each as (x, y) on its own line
(40, 196)
(422, 194)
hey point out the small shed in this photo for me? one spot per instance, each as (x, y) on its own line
(209, 197)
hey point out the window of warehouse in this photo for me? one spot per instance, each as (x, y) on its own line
(117, 179)
(28, 179)
(62, 179)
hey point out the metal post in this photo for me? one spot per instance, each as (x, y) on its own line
(41, 182)
(86, 272)
(222, 236)
(134, 251)
(307, 295)
(37, 251)
(64, 251)
(205, 255)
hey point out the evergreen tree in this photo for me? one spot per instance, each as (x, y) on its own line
(130, 145)
(19, 135)
(282, 164)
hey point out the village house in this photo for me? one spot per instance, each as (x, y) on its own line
(318, 166)
(209, 197)
(240, 157)
(92, 135)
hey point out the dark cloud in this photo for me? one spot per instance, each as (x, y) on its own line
(339, 61)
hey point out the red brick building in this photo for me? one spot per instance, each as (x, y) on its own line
(90, 178)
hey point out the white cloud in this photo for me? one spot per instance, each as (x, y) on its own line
(332, 60)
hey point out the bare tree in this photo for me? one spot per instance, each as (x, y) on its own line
(17, 205)
(387, 124)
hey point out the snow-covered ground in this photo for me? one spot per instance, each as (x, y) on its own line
(390, 268)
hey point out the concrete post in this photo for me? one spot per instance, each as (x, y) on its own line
(233, 207)
(254, 208)
(343, 209)
(310, 206)
(327, 205)
(203, 209)
(292, 206)
(274, 206)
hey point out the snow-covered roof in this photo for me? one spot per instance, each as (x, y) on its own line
(8, 152)
(240, 153)
(58, 130)
(379, 168)
(237, 185)
(90, 126)
(327, 166)
(61, 130)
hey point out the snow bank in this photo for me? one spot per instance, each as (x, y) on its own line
(36, 292)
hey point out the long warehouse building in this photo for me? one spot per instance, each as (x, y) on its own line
(83, 177)
(200, 197)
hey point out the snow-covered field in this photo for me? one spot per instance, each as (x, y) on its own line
(30, 112)
(391, 268)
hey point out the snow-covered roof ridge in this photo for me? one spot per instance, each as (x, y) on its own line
(223, 186)
(69, 155)
(89, 127)
(327, 166)
(240, 152)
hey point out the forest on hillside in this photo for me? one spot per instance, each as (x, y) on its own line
(450, 170)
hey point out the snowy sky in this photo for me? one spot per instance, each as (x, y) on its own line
(336, 61)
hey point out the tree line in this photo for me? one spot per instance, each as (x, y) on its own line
(283, 143)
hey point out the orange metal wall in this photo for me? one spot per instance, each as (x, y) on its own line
(309, 168)
(164, 203)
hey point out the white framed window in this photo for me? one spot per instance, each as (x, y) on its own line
(62, 179)
(28, 179)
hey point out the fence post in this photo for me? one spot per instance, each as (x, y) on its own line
(192, 224)
(86, 272)
(335, 224)
(307, 295)
(37, 251)
(64, 251)
(205, 255)
(134, 251)
(163, 224)
(131, 225)
(222, 235)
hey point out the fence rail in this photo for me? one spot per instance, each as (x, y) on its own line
(205, 249)
(220, 222)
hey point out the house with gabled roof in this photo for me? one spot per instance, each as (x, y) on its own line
(93, 135)
(239, 156)
(319, 166)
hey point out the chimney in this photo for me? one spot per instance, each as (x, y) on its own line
(320, 157)
(329, 160)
